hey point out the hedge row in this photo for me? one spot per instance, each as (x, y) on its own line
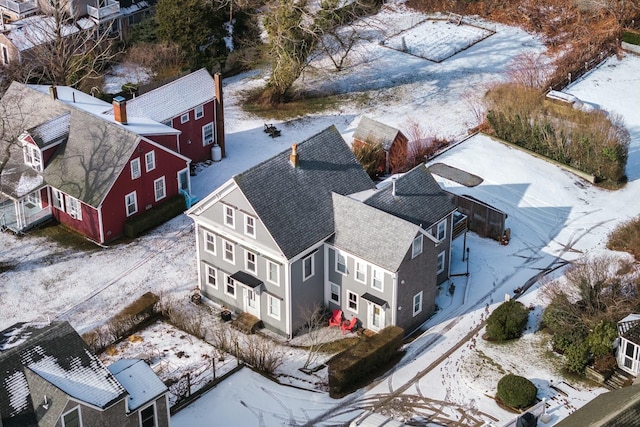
(631, 37)
(351, 368)
(154, 217)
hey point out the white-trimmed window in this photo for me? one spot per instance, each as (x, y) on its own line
(207, 134)
(442, 230)
(352, 301)
(273, 272)
(250, 262)
(34, 199)
(72, 418)
(229, 252)
(131, 203)
(416, 246)
(361, 271)
(135, 168)
(212, 277)
(308, 267)
(249, 225)
(210, 242)
(159, 188)
(199, 112)
(58, 199)
(230, 286)
(229, 216)
(273, 307)
(440, 264)
(335, 293)
(417, 303)
(33, 157)
(148, 416)
(341, 262)
(184, 118)
(74, 207)
(150, 161)
(376, 279)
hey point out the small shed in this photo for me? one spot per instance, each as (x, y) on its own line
(393, 142)
(629, 347)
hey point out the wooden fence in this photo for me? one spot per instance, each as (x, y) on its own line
(482, 219)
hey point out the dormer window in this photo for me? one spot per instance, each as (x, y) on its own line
(32, 156)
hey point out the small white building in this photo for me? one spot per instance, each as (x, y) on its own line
(629, 347)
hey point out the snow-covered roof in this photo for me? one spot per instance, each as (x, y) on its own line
(40, 29)
(175, 98)
(630, 318)
(142, 384)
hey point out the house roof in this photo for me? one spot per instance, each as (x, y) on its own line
(605, 409)
(294, 203)
(51, 131)
(418, 198)
(56, 353)
(370, 233)
(94, 154)
(39, 29)
(142, 384)
(373, 132)
(184, 93)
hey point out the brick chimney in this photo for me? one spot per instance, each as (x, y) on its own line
(293, 157)
(120, 109)
(53, 91)
(218, 112)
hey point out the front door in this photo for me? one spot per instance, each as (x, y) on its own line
(376, 317)
(251, 302)
(183, 180)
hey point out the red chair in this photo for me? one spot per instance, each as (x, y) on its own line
(349, 325)
(336, 318)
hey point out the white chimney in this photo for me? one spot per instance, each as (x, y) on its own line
(393, 183)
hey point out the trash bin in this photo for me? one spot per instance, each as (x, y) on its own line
(225, 315)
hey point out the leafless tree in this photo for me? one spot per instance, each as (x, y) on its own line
(313, 333)
(66, 49)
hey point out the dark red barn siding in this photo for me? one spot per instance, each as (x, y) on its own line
(171, 142)
(114, 212)
(88, 226)
(191, 136)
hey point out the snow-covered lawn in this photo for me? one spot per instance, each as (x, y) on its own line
(551, 213)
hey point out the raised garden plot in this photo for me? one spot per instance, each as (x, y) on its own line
(182, 361)
(437, 39)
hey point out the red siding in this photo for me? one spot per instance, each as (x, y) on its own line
(191, 136)
(169, 141)
(113, 208)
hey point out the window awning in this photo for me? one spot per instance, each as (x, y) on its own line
(246, 279)
(374, 299)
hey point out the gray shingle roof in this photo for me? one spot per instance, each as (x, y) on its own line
(58, 354)
(371, 234)
(374, 132)
(294, 203)
(174, 98)
(96, 150)
(419, 199)
(605, 409)
(51, 131)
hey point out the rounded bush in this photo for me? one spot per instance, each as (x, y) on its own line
(507, 321)
(516, 391)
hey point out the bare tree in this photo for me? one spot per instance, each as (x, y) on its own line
(66, 49)
(313, 332)
(530, 69)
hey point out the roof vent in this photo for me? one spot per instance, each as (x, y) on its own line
(393, 184)
(53, 91)
(293, 157)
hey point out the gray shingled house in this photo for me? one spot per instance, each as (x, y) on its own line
(308, 227)
(628, 353)
(393, 143)
(49, 377)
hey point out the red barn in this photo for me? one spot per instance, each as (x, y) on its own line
(392, 141)
(191, 104)
(75, 158)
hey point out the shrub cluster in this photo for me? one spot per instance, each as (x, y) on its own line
(631, 37)
(516, 391)
(589, 141)
(582, 313)
(349, 369)
(507, 321)
(626, 237)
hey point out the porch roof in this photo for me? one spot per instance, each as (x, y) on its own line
(247, 279)
(374, 299)
(18, 179)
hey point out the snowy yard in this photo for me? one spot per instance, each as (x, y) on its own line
(553, 215)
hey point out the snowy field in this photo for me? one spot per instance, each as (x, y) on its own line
(436, 40)
(553, 215)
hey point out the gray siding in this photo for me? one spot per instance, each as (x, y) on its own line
(305, 294)
(348, 282)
